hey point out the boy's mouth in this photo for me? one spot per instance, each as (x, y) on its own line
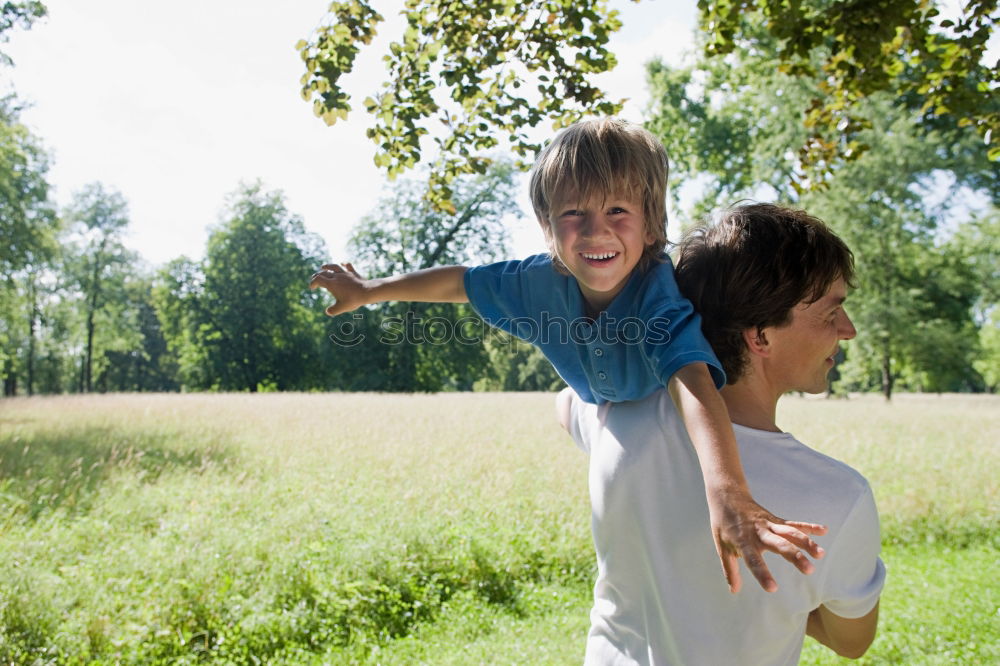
(598, 257)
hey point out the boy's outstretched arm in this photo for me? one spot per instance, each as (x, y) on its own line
(442, 284)
(740, 526)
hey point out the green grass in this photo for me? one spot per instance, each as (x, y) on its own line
(448, 529)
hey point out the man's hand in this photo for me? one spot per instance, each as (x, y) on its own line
(344, 283)
(743, 528)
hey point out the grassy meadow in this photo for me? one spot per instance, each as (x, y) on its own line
(398, 529)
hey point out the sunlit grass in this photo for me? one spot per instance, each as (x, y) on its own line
(346, 528)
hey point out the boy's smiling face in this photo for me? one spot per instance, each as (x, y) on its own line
(600, 241)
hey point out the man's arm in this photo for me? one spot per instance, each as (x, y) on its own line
(848, 637)
(740, 526)
(442, 284)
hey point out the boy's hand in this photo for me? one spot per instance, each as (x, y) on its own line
(743, 528)
(344, 283)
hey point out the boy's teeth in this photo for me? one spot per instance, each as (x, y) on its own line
(602, 255)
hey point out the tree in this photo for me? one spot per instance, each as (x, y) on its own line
(27, 222)
(244, 321)
(97, 263)
(730, 121)
(480, 69)
(988, 362)
(145, 364)
(18, 15)
(178, 298)
(857, 49)
(28, 227)
(488, 55)
(977, 245)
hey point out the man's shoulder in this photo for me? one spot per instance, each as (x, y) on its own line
(799, 477)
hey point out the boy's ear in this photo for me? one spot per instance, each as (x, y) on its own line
(756, 342)
(546, 230)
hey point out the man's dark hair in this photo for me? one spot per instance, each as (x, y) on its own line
(750, 268)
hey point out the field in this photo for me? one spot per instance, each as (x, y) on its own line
(398, 529)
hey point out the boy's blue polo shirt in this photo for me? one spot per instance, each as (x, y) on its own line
(647, 333)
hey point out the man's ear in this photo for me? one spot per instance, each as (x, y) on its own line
(756, 341)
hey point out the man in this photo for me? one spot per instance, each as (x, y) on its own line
(769, 283)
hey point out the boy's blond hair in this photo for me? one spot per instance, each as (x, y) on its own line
(606, 157)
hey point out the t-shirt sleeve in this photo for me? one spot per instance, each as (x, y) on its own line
(674, 338)
(855, 572)
(504, 292)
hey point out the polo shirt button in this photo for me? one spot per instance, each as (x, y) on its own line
(601, 375)
(598, 352)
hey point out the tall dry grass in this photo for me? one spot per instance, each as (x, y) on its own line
(329, 528)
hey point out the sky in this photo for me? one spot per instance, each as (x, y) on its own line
(175, 104)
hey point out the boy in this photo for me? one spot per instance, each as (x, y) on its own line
(599, 193)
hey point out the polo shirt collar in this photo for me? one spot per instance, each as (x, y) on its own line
(620, 305)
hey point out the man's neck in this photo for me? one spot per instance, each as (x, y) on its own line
(751, 405)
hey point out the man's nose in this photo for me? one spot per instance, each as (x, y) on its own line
(846, 328)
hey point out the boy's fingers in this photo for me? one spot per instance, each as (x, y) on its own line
(755, 563)
(795, 538)
(808, 528)
(317, 279)
(336, 268)
(788, 550)
(731, 570)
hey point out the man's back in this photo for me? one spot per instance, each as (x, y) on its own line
(660, 597)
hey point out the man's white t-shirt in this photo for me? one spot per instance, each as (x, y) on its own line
(660, 596)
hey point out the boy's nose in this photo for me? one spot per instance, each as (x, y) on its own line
(594, 225)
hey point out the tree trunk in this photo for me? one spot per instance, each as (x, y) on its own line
(32, 314)
(95, 286)
(89, 356)
(887, 378)
(8, 379)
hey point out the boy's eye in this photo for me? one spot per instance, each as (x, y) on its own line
(616, 210)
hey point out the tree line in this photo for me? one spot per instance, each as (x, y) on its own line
(80, 312)
(87, 315)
